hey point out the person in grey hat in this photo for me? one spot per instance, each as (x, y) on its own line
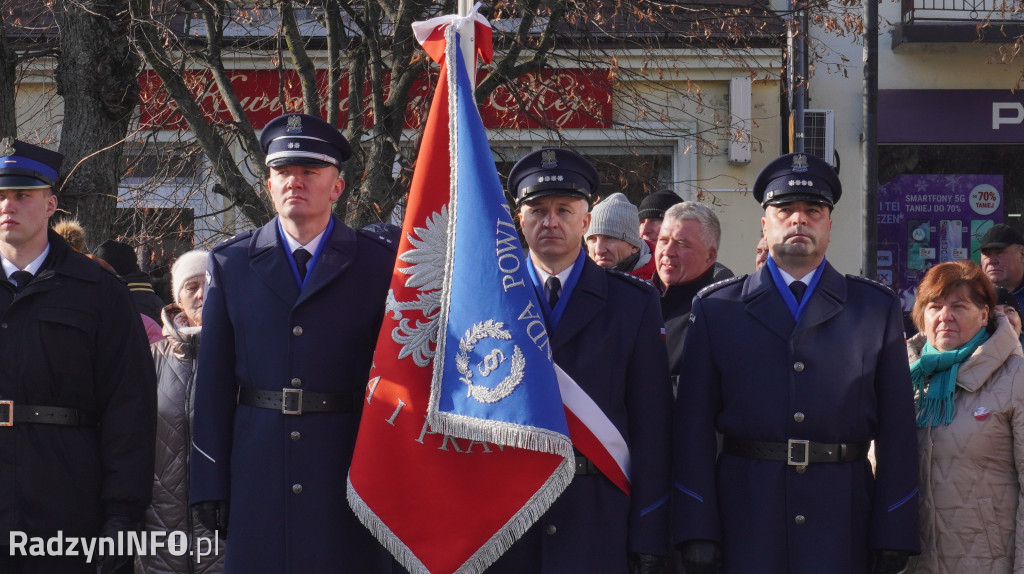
(613, 241)
(604, 329)
(291, 314)
(797, 369)
(1002, 258)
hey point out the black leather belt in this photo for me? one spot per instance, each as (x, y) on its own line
(11, 413)
(586, 467)
(796, 452)
(298, 401)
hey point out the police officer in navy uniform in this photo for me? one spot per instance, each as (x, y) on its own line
(77, 385)
(798, 379)
(605, 332)
(291, 316)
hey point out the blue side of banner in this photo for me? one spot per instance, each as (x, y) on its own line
(497, 363)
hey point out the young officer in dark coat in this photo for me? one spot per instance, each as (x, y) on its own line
(797, 385)
(604, 329)
(77, 385)
(290, 320)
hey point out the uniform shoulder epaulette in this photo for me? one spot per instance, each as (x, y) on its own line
(630, 279)
(871, 282)
(229, 242)
(381, 238)
(719, 284)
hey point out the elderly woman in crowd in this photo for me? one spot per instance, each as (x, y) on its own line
(175, 360)
(968, 374)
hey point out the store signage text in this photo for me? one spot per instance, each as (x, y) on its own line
(572, 98)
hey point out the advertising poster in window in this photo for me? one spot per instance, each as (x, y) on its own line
(926, 219)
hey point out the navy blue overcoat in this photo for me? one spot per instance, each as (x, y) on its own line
(285, 475)
(839, 376)
(609, 341)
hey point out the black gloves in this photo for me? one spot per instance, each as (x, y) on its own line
(113, 525)
(701, 557)
(889, 561)
(647, 563)
(213, 514)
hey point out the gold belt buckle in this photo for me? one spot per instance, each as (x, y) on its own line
(10, 413)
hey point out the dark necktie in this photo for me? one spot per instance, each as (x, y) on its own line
(21, 278)
(798, 288)
(302, 258)
(554, 287)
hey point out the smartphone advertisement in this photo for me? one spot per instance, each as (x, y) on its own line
(926, 219)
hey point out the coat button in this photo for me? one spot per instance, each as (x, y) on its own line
(798, 366)
(551, 529)
(296, 435)
(801, 469)
(297, 488)
(296, 382)
(296, 330)
(798, 417)
(800, 520)
(3, 325)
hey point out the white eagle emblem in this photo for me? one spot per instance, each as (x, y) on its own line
(426, 274)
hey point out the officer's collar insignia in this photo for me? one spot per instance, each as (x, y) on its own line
(548, 159)
(294, 125)
(7, 147)
(799, 163)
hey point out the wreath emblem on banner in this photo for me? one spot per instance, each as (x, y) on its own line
(493, 360)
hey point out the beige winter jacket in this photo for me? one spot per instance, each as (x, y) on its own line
(972, 469)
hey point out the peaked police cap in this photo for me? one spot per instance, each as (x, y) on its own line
(301, 139)
(26, 166)
(797, 177)
(553, 171)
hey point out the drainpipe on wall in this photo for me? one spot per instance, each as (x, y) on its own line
(869, 141)
(798, 71)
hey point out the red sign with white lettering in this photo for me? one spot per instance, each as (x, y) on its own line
(564, 99)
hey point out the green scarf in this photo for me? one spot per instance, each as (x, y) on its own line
(936, 405)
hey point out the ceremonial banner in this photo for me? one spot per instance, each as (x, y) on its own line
(463, 442)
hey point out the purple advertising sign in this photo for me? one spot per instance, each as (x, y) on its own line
(950, 116)
(924, 219)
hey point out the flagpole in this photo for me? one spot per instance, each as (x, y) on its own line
(468, 39)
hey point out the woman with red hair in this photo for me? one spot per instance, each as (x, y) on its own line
(968, 374)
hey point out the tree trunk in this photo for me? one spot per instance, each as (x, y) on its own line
(97, 76)
(8, 79)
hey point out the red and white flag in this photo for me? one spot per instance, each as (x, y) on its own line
(463, 442)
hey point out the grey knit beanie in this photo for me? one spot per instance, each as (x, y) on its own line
(616, 217)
